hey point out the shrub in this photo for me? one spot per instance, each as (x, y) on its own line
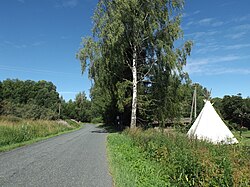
(97, 120)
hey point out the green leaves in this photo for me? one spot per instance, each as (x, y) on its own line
(140, 31)
(30, 99)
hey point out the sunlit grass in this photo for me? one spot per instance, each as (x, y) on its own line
(15, 130)
(150, 158)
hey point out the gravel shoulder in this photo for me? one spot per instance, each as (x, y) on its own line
(74, 159)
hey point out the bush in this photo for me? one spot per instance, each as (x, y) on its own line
(97, 120)
(28, 111)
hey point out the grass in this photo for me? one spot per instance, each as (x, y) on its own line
(16, 132)
(150, 158)
(244, 138)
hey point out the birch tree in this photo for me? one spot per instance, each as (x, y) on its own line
(131, 40)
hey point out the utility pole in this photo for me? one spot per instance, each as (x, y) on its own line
(194, 105)
(59, 110)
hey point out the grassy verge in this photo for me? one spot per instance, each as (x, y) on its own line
(244, 138)
(16, 132)
(150, 158)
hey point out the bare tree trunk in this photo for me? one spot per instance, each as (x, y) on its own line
(134, 97)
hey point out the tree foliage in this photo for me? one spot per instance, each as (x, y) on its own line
(134, 62)
(29, 99)
(40, 100)
(236, 110)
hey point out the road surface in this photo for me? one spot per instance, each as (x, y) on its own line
(73, 159)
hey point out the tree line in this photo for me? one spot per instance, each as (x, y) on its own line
(235, 110)
(40, 100)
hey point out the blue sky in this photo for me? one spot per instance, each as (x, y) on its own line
(40, 38)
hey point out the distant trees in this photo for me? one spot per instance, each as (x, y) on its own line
(40, 100)
(236, 109)
(80, 109)
(29, 99)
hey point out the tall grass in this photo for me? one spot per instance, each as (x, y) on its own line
(16, 130)
(150, 158)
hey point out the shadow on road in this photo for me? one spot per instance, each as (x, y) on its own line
(100, 131)
(104, 128)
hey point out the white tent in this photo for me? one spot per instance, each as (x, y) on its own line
(209, 126)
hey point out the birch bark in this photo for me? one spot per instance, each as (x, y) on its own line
(134, 96)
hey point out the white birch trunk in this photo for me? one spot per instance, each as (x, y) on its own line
(134, 97)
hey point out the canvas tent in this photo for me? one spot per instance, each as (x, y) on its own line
(209, 126)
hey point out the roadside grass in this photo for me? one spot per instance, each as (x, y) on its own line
(149, 158)
(244, 138)
(16, 132)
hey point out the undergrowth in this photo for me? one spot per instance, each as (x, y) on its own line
(150, 158)
(15, 130)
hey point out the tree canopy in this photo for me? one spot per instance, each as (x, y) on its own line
(133, 59)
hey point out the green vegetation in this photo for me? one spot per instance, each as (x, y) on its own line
(243, 137)
(29, 99)
(234, 109)
(150, 158)
(16, 131)
(137, 69)
(79, 109)
(40, 100)
(131, 55)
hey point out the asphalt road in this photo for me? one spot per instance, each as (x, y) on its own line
(73, 159)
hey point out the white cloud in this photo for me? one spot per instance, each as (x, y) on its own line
(211, 22)
(205, 21)
(65, 37)
(22, 45)
(197, 35)
(12, 44)
(216, 59)
(214, 65)
(243, 27)
(209, 70)
(242, 18)
(66, 3)
(21, 1)
(32, 70)
(189, 23)
(37, 43)
(236, 35)
(218, 23)
(237, 46)
(185, 15)
(196, 12)
(70, 3)
(220, 71)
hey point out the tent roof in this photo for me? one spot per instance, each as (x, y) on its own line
(209, 126)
